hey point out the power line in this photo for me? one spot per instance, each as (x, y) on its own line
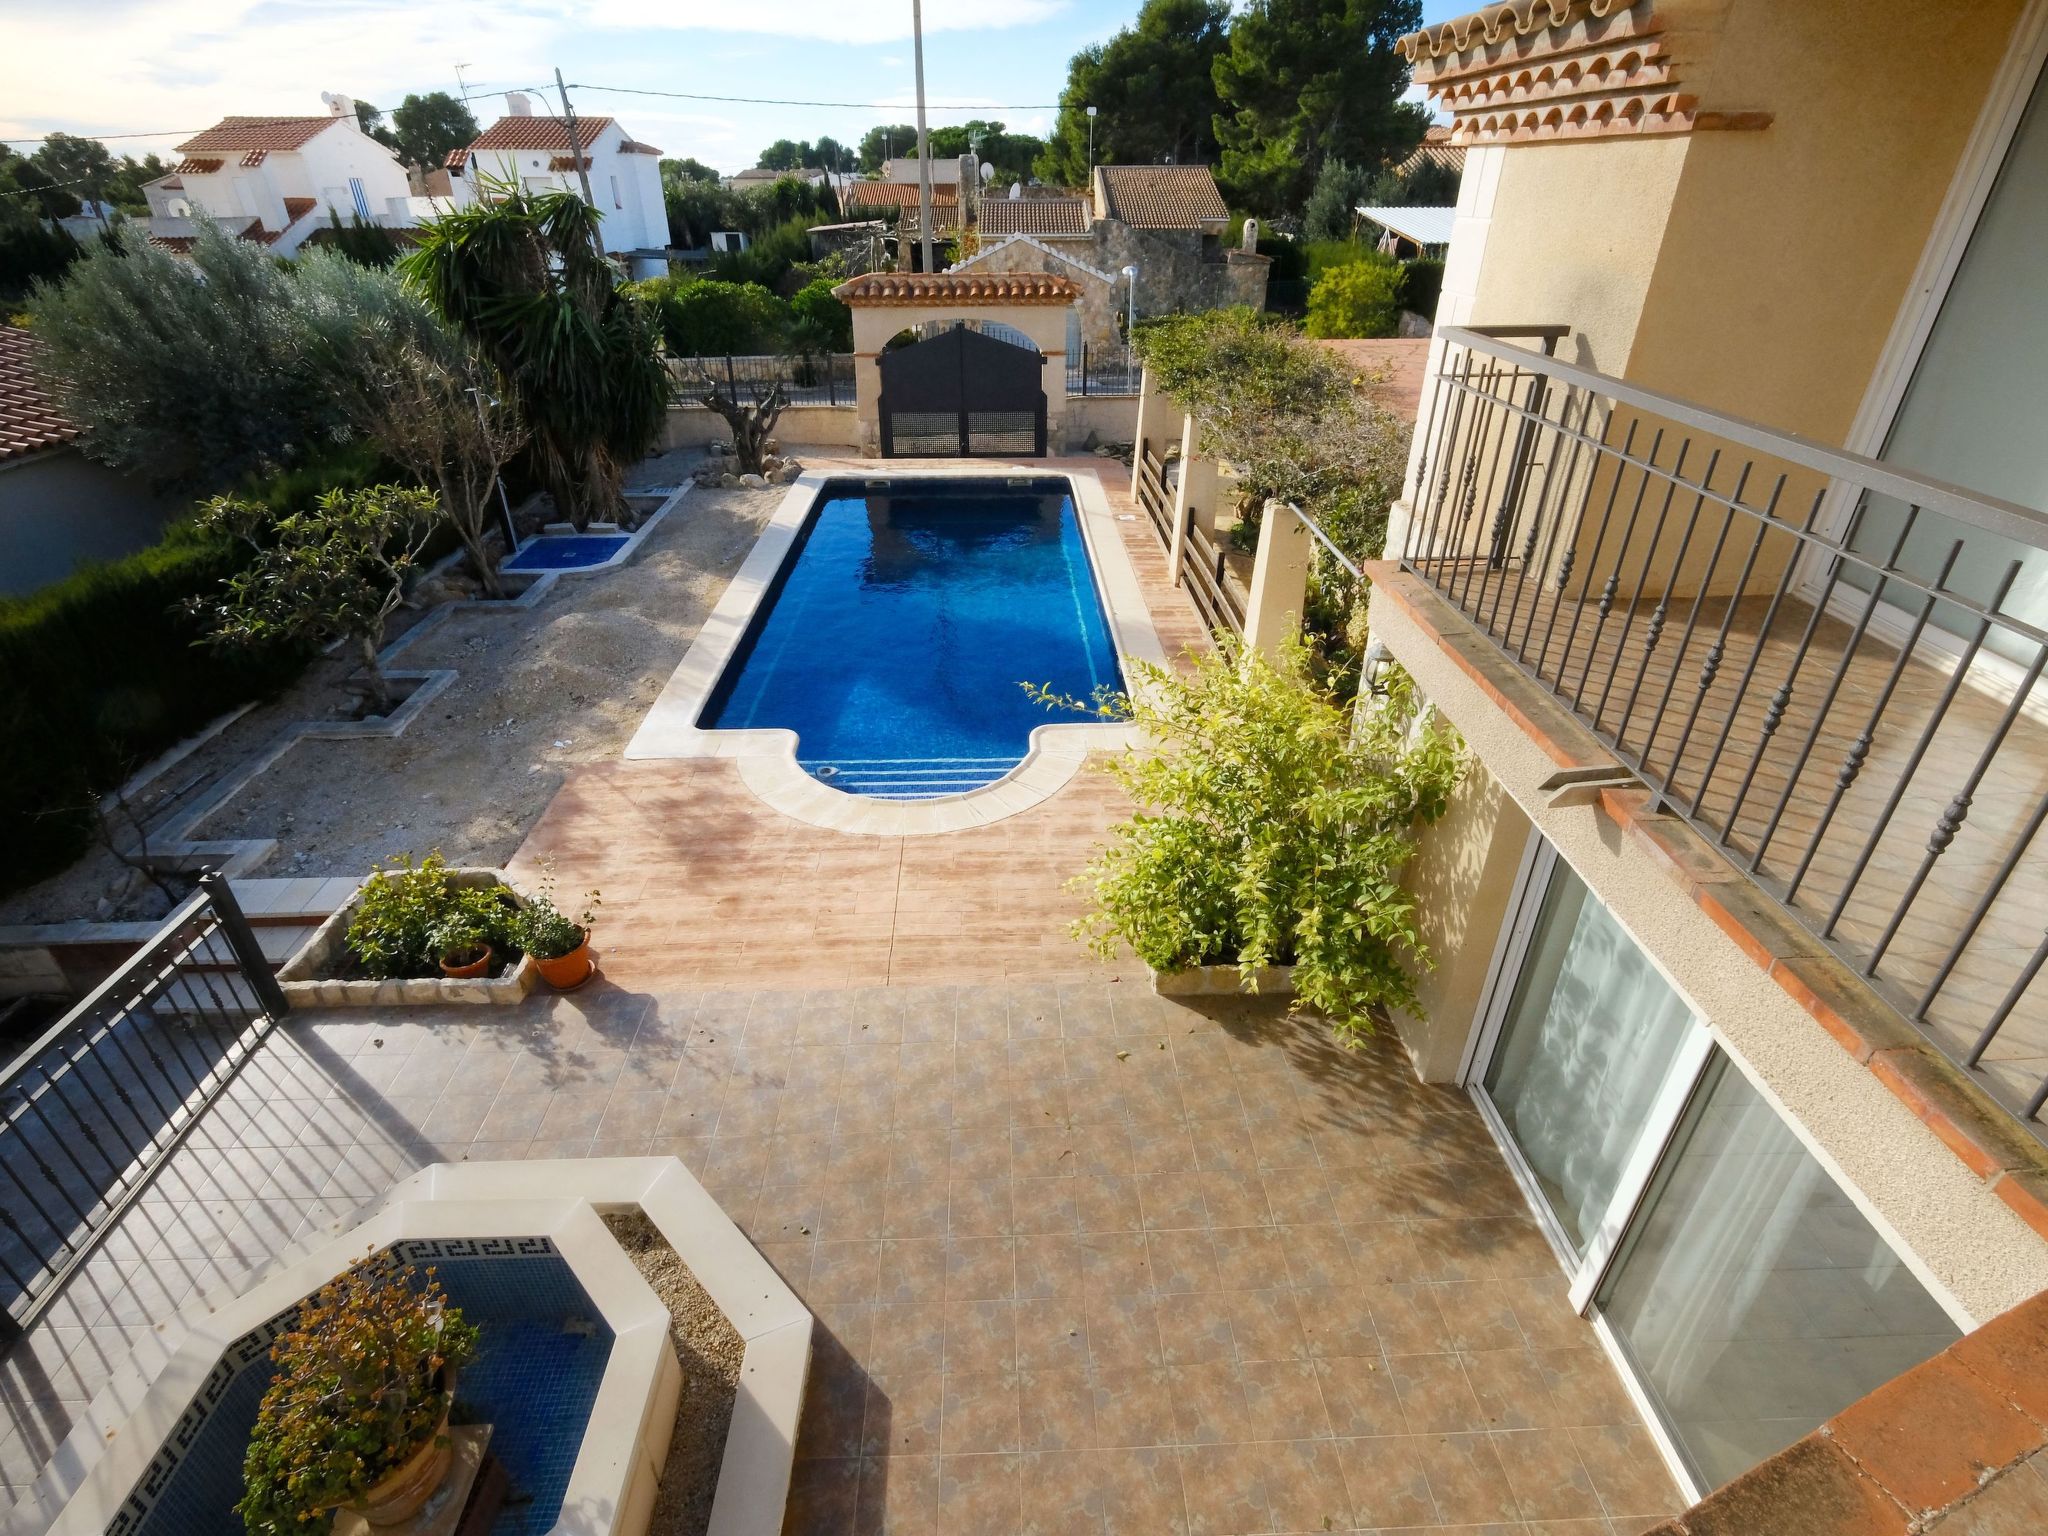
(784, 101)
(153, 133)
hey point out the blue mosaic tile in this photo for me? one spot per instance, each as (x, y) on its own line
(542, 1354)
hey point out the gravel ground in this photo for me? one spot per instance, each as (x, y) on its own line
(710, 1350)
(540, 690)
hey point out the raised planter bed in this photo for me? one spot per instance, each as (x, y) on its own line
(1223, 981)
(315, 976)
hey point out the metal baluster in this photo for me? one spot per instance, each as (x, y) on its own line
(1951, 820)
(1756, 653)
(1479, 563)
(1985, 902)
(1612, 584)
(1535, 521)
(1859, 749)
(1440, 488)
(1692, 619)
(1653, 630)
(1557, 519)
(1963, 664)
(1833, 689)
(1561, 582)
(1426, 461)
(1710, 664)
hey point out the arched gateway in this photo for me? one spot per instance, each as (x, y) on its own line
(962, 392)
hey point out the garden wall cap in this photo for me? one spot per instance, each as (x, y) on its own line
(971, 288)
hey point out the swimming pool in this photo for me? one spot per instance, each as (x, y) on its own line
(897, 632)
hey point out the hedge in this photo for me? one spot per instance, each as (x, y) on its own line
(104, 671)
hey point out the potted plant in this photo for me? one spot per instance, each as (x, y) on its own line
(462, 943)
(356, 1417)
(559, 944)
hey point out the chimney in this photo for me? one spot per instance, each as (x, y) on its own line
(519, 104)
(339, 105)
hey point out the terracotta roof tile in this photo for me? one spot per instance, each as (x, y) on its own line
(203, 165)
(1162, 196)
(1034, 216)
(296, 208)
(890, 194)
(29, 422)
(970, 288)
(543, 133)
(235, 135)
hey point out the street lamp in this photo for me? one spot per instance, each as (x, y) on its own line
(1091, 143)
(1130, 302)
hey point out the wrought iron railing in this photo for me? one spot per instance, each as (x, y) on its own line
(93, 1107)
(1814, 658)
(1103, 371)
(815, 379)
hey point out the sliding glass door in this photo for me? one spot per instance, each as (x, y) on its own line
(1740, 1287)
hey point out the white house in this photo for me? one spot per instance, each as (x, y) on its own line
(533, 151)
(276, 179)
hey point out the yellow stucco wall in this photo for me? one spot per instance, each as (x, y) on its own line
(1788, 251)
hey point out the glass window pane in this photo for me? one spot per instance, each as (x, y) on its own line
(1755, 1299)
(1588, 1040)
(1971, 414)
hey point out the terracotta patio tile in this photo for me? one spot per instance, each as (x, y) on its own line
(1388, 1481)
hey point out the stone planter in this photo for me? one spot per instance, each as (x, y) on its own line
(310, 977)
(1223, 981)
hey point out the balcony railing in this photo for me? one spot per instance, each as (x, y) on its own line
(1806, 654)
(93, 1107)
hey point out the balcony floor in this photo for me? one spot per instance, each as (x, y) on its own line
(1795, 785)
(1083, 1259)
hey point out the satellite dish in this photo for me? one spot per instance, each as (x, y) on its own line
(988, 173)
(1016, 190)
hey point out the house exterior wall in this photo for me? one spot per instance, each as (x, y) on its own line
(1175, 272)
(635, 216)
(323, 167)
(60, 510)
(1757, 272)
(1098, 304)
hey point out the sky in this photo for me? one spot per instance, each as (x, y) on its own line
(140, 67)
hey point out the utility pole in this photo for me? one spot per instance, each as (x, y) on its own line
(924, 148)
(575, 140)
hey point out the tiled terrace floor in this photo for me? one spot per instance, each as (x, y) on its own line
(1084, 1260)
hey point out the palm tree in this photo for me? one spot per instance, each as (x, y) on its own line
(524, 275)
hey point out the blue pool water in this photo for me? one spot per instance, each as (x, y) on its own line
(896, 635)
(565, 551)
(542, 1353)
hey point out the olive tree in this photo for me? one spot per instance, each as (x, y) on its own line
(417, 389)
(334, 572)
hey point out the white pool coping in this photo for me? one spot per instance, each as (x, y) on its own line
(766, 758)
(612, 1485)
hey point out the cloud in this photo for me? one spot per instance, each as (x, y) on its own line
(185, 63)
(843, 21)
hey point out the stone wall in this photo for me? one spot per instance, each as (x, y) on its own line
(1177, 271)
(1100, 298)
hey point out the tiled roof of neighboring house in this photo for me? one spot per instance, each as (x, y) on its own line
(1161, 196)
(239, 135)
(296, 208)
(635, 147)
(568, 163)
(1036, 244)
(974, 288)
(197, 165)
(169, 183)
(891, 194)
(548, 133)
(1436, 148)
(1034, 216)
(29, 422)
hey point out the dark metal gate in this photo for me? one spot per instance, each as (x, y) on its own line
(962, 394)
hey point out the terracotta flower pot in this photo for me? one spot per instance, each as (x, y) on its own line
(567, 972)
(402, 1492)
(480, 966)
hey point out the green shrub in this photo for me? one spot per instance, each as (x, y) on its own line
(704, 317)
(1359, 299)
(1324, 255)
(1271, 827)
(408, 913)
(359, 1389)
(105, 670)
(823, 322)
(1422, 284)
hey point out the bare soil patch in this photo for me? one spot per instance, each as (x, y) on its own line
(711, 1352)
(539, 691)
